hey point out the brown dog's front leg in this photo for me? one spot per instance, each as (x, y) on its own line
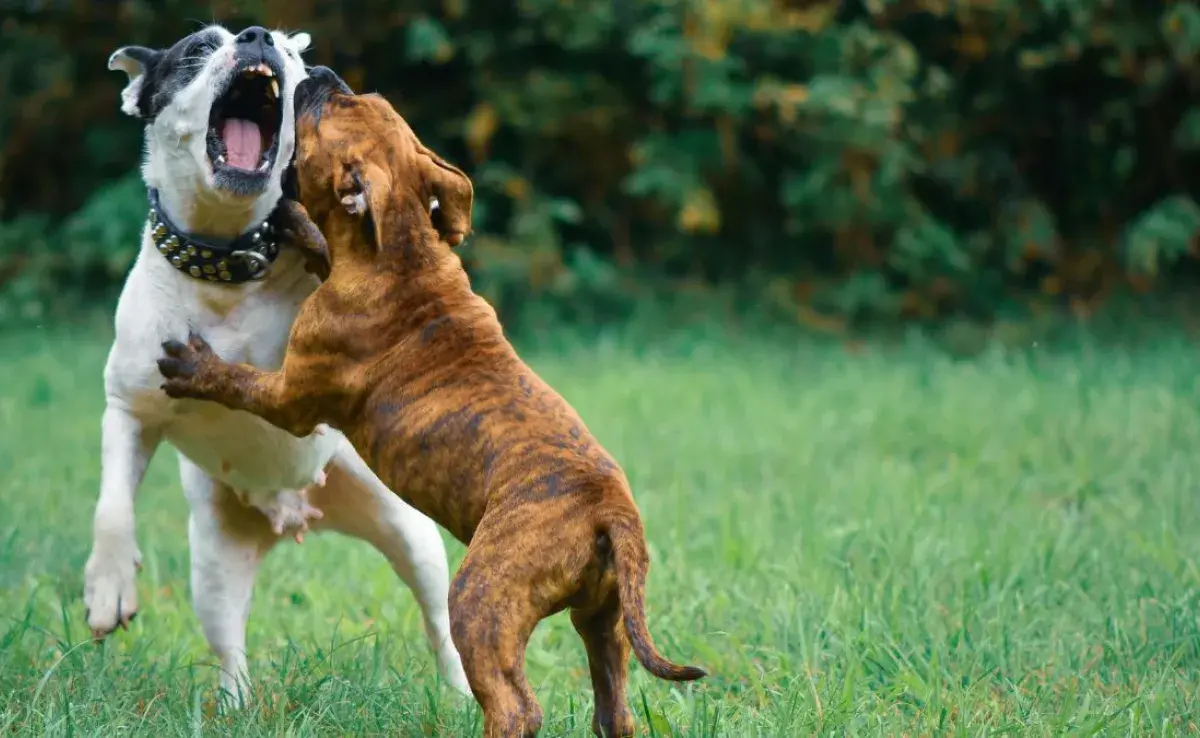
(301, 232)
(194, 370)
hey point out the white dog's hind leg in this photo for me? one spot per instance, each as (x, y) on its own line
(357, 503)
(228, 543)
(110, 589)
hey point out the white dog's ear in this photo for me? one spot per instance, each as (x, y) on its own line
(138, 62)
(299, 42)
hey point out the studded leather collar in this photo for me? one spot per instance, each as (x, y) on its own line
(246, 258)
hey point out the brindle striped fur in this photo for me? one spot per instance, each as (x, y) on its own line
(395, 350)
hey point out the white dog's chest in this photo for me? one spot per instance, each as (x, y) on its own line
(247, 324)
(246, 452)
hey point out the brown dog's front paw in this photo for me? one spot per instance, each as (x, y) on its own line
(297, 229)
(186, 367)
(292, 215)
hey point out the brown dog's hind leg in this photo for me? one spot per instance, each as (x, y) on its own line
(608, 660)
(491, 628)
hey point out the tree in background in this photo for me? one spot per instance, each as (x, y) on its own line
(901, 159)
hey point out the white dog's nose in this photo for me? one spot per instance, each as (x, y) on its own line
(255, 34)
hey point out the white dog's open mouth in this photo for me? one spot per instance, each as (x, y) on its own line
(243, 126)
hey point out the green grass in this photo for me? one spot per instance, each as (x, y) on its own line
(877, 542)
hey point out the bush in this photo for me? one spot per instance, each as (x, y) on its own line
(53, 269)
(877, 159)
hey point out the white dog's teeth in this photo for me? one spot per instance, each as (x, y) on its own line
(274, 86)
(262, 167)
(220, 158)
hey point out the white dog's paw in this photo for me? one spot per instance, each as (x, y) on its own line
(234, 693)
(289, 511)
(451, 668)
(110, 589)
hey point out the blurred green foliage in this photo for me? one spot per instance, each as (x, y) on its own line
(901, 159)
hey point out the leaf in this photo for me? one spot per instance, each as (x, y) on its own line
(479, 127)
(1187, 135)
(700, 213)
(927, 248)
(426, 40)
(565, 210)
(1163, 234)
(1181, 28)
(1029, 232)
(864, 292)
(814, 18)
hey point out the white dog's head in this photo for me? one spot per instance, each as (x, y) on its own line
(218, 112)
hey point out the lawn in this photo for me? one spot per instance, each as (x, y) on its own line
(879, 541)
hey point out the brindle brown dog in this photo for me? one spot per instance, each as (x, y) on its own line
(395, 350)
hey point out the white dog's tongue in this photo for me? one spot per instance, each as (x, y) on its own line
(243, 144)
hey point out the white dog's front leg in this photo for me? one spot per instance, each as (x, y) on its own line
(357, 503)
(228, 542)
(110, 589)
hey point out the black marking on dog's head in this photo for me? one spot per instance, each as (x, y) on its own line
(157, 75)
(313, 92)
(242, 81)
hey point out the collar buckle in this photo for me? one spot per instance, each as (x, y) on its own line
(256, 263)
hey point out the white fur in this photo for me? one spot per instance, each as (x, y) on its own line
(129, 96)
(222, 450)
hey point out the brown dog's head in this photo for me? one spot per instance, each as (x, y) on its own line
(361, 172)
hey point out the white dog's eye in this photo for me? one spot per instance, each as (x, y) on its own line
(205, 45)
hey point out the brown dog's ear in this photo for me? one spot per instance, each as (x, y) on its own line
(361, 193)
(451, 191)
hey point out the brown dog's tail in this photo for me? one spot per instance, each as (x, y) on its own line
(632, 561)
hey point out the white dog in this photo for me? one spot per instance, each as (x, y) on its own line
(220, 133)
